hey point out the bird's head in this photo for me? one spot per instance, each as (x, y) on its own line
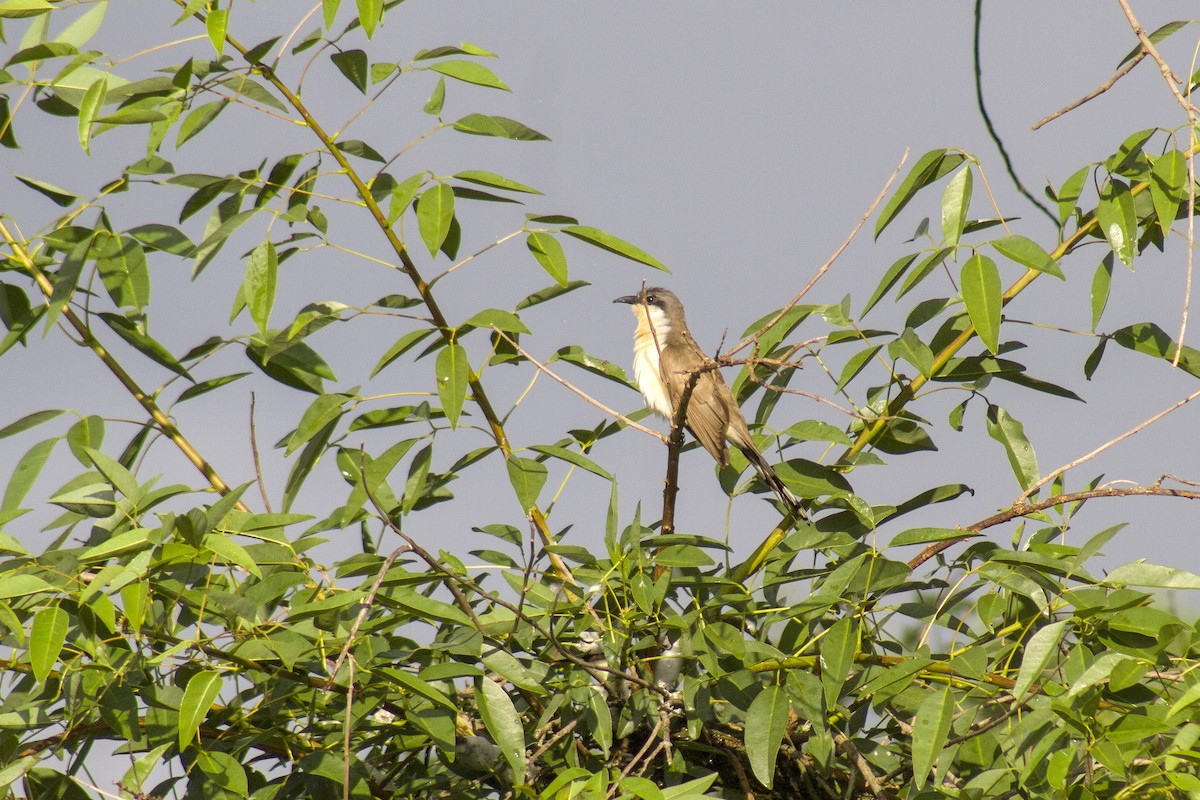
(657, 307)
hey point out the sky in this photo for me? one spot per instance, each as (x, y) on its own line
(739, 144)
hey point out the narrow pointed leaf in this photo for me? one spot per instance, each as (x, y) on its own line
(930, 730)
(930, 167)
(549, 253)
(1027, 253)
(607, 241)
(452, 380)
(766, 723)
(198, 696)
(435, 211)
(502, 721)
(47, 636)
(1010, 433)
(956, 199)
(1168, 187)
(527, 477)
(1118, 220)
(981, 291)
(470, 72)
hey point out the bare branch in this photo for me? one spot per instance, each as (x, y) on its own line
(1099, 90)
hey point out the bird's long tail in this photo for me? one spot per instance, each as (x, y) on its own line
(769, 477)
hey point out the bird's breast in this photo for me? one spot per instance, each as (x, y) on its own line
(649, 375)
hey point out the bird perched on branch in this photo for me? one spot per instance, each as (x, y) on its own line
(665, 356)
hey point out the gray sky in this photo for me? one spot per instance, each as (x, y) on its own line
(737, 143)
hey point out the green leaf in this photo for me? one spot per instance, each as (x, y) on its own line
(495, 317)
(495, 181)
(838, 647)
(437, 99)
(7, 137)
(19, 585)
(120, 478)
(500, 717)
(1010, 433)
(435, 212)
(453, 375)
(321, 412)
(402, 196)
(549, 254)
(198, 696)
(1153, 576)
(1157, 36)
(1039, 652)
(418, 473)
(893, 274)
(1168, 187)
(231, 552)
(207, 386)
(360, 149)
(981, 292)
(956, 199)
(1027, 253)
(1148, 338)
(484, 125)
(910, 348)
(927, 535)
(1101, 286)
(572, 457)
(47, 636)
(124, 271)
(1118, 220)
(353, 65)
(606, 241)
(56, 195)
(135, 336)
(856, 364)
(83, 27)
(574, 354)
(18, 9)
(549, 293)
(766, 724)
(527, 477)
(929, 168)
(809, 479)
(198, 119)
(930, 729)
(29, 421)
(89, 109)
(1068, 195)
(165, 238)
(402, 346)
(470, 72)
(370, 14)
(923, 270)
(258, 285)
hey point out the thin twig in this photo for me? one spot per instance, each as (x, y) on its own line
(1025, 510)
(367, 603)
(258, 472)
(864, 768)
(671, 484)
(1099, 90)
(1135, 429)
(754, 337)
(578, 391)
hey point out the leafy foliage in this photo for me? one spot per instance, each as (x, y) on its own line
(213, 649)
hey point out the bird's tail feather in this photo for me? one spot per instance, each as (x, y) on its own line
(769, 477)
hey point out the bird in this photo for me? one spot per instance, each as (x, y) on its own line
(665, 355)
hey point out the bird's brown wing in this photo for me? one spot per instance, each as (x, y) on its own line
(707, 415)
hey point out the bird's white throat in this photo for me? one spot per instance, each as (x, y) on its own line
(648, 339)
